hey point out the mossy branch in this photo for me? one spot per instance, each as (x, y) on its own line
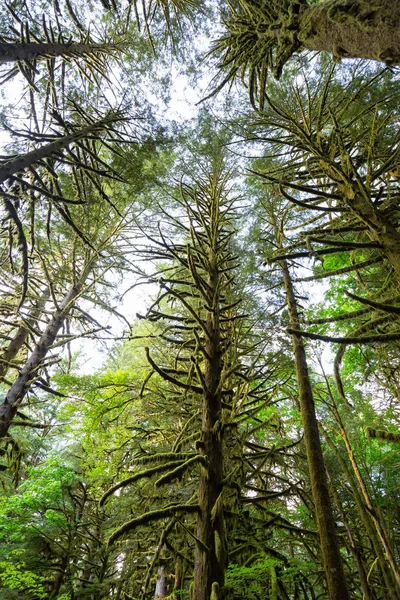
(382, 434)
(348, 269)
(378, 305)
(22, 244)
(162, 456)
(198, 542)
(309, 253)
(173, 380)
(345, 317)
(168, 477)
(136, 477)
(180, 439)
(344, 244)
(154, 515)
(366, 339)
(19, 423)
(307, 205)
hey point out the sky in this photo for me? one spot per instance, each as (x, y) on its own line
(182, 106)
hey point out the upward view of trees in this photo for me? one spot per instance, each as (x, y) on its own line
(199, 305)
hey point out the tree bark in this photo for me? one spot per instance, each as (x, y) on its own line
(22, 51)
(59, 579)
(352, 28)
(265, 35)
(337, 587)
(179, 577)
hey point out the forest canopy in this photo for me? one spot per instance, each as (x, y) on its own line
(199, 300)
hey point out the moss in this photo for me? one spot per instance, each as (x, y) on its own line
(216, 510)
(162, 456)
(382, 434)
(136, 477)
(214, 591)
(175, 473)
(218, 546)
(387, 56)
(346, 11)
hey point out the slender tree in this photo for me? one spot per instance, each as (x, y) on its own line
(334, 573)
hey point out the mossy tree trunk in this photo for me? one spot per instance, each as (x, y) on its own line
(337, 169)
(198, 304)
(179, 573)
(379, 226)
(336, 581)
(262, 36)
(20, 337)
(23, 51)
(352, 28)
(367, 590)
(371, 507)
(211, 556)
(16, 164)
(200, 325)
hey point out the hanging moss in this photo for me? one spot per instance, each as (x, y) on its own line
(214, 591)
(219, 551)
(218, 507)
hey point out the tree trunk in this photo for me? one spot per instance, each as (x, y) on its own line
(352, 28)
(21, 51)
(380, 229)
(274, 584)
(337, 587)
(59, 579)
(30, 370)
(19, 163)
(211, 556)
